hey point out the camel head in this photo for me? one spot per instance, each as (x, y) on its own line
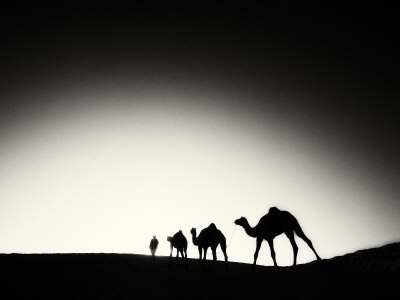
(242, 221)
(169, 239)
(193, 231)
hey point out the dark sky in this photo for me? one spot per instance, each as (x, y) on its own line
(333, 68)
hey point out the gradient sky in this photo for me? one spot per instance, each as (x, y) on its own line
(118, 124)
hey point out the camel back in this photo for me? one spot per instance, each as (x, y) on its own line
(277, 221)
(179, 239)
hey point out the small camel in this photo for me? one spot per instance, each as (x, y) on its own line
(209, 237)
(271, 225)
(178, 241)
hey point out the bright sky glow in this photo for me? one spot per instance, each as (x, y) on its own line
(107, 175)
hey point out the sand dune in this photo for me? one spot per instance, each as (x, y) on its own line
(369, 273)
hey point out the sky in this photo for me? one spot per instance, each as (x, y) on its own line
(123, 123)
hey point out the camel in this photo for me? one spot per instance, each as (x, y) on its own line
(178, 241)
(271, 225)
(209, 237)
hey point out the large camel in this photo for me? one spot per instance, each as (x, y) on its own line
(209, 237)
(178, 241)
(271, 225)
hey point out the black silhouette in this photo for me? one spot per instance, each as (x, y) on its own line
(209, 237)
(365, 274)
(271, 225)
(179, 242)
(153, 246)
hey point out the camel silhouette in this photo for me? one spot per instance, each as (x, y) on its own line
(271, 225)
(209, 237)
(178, 241)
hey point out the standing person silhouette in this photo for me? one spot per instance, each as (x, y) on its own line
(153, 246)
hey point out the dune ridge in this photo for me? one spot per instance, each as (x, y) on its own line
(367, 273)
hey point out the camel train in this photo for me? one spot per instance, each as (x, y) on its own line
(274, 223)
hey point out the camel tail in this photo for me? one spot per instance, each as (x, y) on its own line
(297, 227)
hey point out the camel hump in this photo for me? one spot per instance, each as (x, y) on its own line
(212, 226)
(273, 209)
(179, 233)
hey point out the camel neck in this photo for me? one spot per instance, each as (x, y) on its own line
(194, 239)
(251, 231)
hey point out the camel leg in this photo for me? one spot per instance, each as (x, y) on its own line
(301, 234)
(177, 257)
(205, 254)
(271, 247)
(226, 258)
(223, 248)
(170, 257)
(258, 246)
(204, 262)
(201, 257)
(214, 254)
(290, 236)
(186, 264)
(182, 257)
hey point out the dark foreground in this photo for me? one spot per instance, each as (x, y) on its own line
(372, 273)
